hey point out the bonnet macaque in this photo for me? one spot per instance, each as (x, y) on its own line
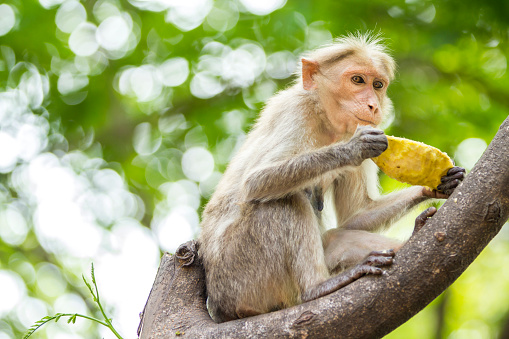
(263, 243)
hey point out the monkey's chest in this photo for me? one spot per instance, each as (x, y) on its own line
(315, 196)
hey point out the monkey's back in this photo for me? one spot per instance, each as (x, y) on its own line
(245, 245)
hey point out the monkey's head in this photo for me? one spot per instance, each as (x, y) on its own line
(350, 79)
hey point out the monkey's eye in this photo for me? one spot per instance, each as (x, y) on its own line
(378, 84)
(357, 79)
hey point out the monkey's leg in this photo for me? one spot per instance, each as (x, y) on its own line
(346, 248)
(371, 265)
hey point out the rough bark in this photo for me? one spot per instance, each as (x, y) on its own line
(370, 307)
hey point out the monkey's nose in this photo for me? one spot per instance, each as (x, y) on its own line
(373, 108)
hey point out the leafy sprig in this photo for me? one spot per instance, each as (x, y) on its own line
(72, 316)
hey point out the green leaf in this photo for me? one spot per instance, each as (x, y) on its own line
(72, 319)
(38, 324)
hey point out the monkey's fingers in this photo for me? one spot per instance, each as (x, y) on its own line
(448, 187)
(374, 131)
(368, 130)
(373, 145)
(421, 219)
(378, 261)
(458, 173)
(386, 253)
(427, 192)
(361, 269)
(455, 170)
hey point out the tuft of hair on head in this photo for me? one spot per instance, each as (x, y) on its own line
(369, 44)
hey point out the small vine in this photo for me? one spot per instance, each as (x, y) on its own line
(72, 316)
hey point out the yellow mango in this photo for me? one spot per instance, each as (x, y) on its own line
(413, 162)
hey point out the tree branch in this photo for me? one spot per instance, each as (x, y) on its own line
(370, 307)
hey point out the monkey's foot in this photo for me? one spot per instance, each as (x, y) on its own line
(421, 219)
(372, 263)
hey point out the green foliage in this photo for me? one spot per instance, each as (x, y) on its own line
(117, 119)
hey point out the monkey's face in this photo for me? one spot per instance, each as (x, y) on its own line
(352, 92)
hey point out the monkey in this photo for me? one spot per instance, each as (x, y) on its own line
(263, 242)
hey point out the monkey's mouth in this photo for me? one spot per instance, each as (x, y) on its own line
(365, 121)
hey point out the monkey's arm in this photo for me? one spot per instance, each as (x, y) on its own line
(294, 174)
(284, 177)
(380, 213)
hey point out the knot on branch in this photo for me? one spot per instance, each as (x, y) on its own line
(440, 236)
(493, 214)
(187, 252)
(304, 319)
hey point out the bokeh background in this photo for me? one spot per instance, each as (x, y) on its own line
(117, 119)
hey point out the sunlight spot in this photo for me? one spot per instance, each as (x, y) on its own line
(70, 15)
(113, 32)
(105, 8)
(8, 152)
(197, 163)
(175, 228)
(14, 226)
(82, 40)
(494, 62)
(75, 303)
(281, 65)
(189, 14)
(7, 19)
(69, 83)
(145, 83)
(469, 151)
(50, 280)
(262, 7)
(29, 310)
(224, 16)
(92, 65)
(27, 79)
(241, 66)
(174, 71)
(395, 11)
(12, 291)
(145, 140)
(208, 185)
(318, 35)
(152, 5)
(48, 4)
(61, 229)
(126, 235)
(205, 85)
(428, 14)
(182, 192)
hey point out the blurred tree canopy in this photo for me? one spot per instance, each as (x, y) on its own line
(117, 119)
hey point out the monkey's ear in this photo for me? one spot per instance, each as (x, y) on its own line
(309, 69)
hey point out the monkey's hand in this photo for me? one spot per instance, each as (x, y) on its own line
(367, 142)
(449, 182)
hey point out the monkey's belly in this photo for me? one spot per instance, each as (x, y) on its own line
(253, 273)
